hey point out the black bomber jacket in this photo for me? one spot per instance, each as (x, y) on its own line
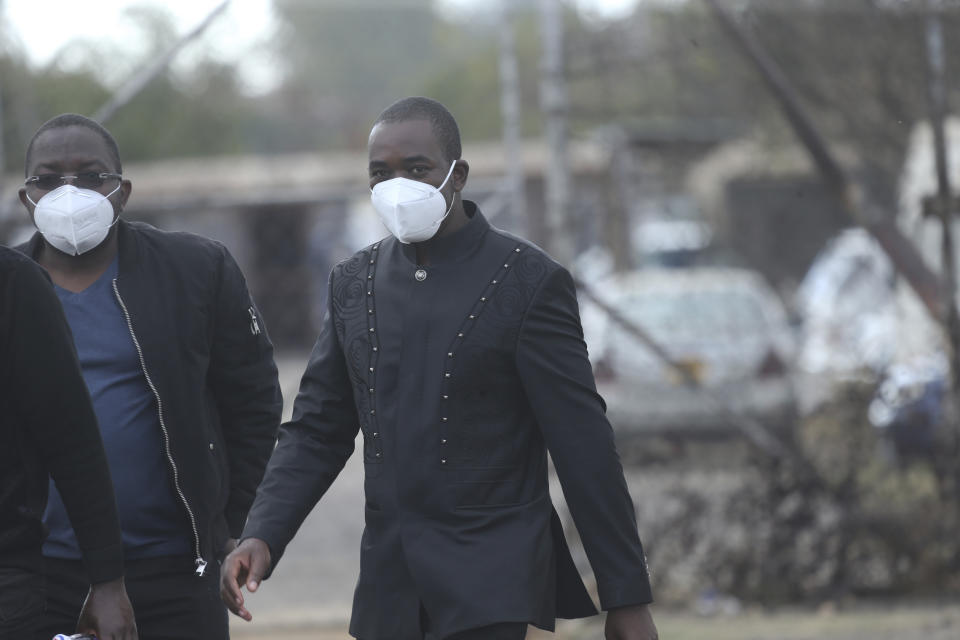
(209, 363)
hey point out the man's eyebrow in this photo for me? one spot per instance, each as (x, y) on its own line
(412, 159)
(377, 163)
(57, 163)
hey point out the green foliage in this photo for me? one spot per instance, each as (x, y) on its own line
(858, 67)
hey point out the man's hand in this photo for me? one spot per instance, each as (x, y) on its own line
(630, 623)
(107, 612)
(246, 564)
(229, 546)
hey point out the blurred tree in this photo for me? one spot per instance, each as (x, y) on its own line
(346, 61)
(859, 66)
(199, 112)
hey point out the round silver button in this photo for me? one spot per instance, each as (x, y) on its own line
(420, 275)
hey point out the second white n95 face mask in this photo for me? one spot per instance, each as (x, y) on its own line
(412, 211)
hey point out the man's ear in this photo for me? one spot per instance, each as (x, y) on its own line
(459, 177)
(126, 188)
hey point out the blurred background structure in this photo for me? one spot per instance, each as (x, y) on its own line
(757, 198)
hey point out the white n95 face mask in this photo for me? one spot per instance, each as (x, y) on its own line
(74, 220)
(412, 211)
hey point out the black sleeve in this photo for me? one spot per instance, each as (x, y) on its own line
(58, 416)
(312, 448)
(558, 381)
(244, 380)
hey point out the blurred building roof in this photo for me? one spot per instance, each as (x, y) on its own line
(303, 178)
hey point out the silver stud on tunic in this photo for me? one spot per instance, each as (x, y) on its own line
(420, 275)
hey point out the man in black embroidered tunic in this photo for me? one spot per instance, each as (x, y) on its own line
(461, 359)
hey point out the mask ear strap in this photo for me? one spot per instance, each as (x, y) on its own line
(452, 200)
(115, 190)
(449, 173)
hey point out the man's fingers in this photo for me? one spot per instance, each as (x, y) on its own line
(233, 576)
(244, 566)
(259, 565)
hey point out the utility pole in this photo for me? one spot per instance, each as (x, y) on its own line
(553, 103)
(515, 180)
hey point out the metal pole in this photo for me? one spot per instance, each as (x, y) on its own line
(553, 102)
(136, 84)
(937, 92)
(510, 112)
(936, 77)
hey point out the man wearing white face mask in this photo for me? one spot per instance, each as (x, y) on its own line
(182, 378)
(456, 349)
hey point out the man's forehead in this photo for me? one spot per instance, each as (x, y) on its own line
(70, 141)
(409, 137)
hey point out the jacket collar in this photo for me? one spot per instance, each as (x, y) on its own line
(456, 246)
(126, 243)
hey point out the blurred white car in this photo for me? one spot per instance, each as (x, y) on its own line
(725, 326)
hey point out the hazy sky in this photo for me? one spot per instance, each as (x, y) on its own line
(43, 29)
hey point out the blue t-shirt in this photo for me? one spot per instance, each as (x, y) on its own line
(152, 520)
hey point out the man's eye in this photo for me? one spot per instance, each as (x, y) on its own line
(419, 171)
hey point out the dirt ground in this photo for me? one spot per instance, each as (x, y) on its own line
(861, 622)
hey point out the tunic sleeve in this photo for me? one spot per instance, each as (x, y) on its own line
(312, 448)
(558, 382)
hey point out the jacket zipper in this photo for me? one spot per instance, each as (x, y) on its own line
(200, 562)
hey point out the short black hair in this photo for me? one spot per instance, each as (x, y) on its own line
(441, 121)
(65, 120)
